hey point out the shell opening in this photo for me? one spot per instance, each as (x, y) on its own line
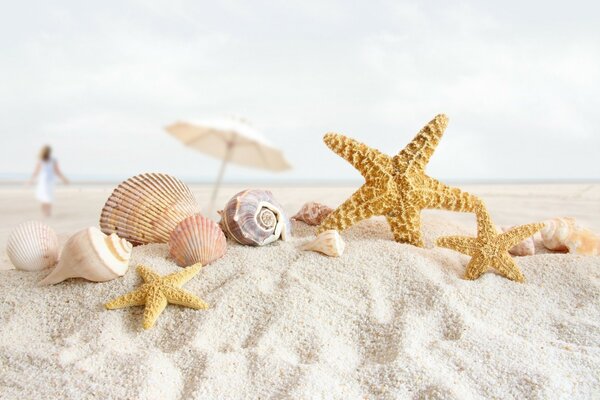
(267, 218)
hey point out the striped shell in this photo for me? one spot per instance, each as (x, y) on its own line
(146, 208)
(253, 217)
(313, 213)
(32, 246)
(91, 255)
(197, 239)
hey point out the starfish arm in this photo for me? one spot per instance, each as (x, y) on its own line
(475, 268)
(179, 278)
(435, 194)
(147, 274)
(362, 157)
(366, 202)
(135, 298)
(485, 226)
(507, 267)
(183, 298)
(406, 226)
(418, 152)
(462, 244)
(156, 302)
(517, 234)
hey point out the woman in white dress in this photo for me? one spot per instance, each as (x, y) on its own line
(46, 170)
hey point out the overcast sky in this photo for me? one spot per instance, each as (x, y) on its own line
(520, 81)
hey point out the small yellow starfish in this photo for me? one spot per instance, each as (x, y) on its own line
(157, 291)
(490, 248)
(396, 187)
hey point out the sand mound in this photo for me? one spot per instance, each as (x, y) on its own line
(385, 320)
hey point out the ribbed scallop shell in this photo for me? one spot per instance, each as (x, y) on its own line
(564, 234)
(313, 213)
(91, 255)
(253, 217)
(32, 246)
(146, 208)
(197, 239)
(329, 243)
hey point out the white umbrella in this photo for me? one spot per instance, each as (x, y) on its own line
(231, 141)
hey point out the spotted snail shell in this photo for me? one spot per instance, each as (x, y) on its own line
(146, 208)
(253, 217)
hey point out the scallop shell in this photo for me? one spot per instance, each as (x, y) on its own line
(329, 243)
(146, 208)
(197, 239)
(254, 217)
(564, 234)
(91, 255)
(525, 248)
(313, 213)
(32, 246)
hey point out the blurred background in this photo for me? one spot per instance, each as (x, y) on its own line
(100, 81)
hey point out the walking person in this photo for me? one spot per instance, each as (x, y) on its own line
(46, 172)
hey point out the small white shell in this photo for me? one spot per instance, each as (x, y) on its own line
(329, 243)
(197, 239)
(524, 248)
(32, 246)
(564, 234)
(91, 255)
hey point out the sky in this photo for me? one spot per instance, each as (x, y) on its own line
(99, 81)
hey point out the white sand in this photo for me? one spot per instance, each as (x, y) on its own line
(385, 320)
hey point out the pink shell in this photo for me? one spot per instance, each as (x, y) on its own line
(525, 248)
(197, 239)
(313, 213)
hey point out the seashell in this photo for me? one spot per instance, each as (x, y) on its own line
(254, 217)
(329, 242)
(91, 255)
(197, 239)
(313, 213)
(525, 248)
(564, 234)
(32, 246)
(146, 208)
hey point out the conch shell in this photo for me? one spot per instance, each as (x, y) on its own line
(329, 243)
(146, 208)
(255, 218)
(197, 239)
(313, 213)
(525, 248)
(32, 246)
(91, 255)
(564, 234)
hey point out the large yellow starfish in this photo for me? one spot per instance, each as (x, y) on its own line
(396, 187)
(157, 291)
(490, 248)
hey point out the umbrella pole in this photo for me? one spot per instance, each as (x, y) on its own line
(213, 197)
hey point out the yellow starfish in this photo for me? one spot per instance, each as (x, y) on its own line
(490, 248)
(396, 187)
(157, 291)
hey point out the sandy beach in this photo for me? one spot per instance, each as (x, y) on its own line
(385, 320)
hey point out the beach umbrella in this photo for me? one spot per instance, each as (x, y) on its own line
(230, 141)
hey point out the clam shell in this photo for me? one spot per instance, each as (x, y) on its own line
(146, 208)
(525, 248)
(32, 246)
(197, 239)
(313, 213)
(564, 234)
(329, 243)
(253, 217)
(91, 255)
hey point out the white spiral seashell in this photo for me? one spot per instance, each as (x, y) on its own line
(564, 234)
(147, 207)
(32, 246)
(197, 239)
(255, 218)
(329, 243)
(91, 255)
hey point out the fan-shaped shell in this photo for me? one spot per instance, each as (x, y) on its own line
(91, 255)
(32, 246)
(253, 217)
(564, 234)
(313, 213)
(329, 243)
(146, 208)
(197, 239)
